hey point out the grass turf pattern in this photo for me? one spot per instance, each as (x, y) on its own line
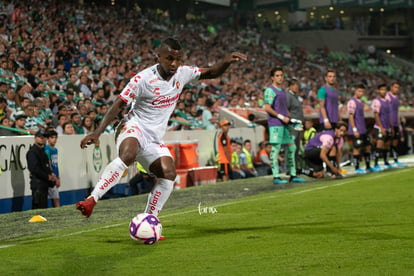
(354, 226)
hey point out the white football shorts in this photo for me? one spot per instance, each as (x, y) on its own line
(149, 151)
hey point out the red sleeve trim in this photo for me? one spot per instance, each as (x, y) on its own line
(123, 99)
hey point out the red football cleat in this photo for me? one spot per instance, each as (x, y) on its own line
(86, 207)
(162, 238)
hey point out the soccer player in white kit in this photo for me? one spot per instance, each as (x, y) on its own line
(153, 92)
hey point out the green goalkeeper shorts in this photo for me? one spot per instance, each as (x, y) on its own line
(280, 135)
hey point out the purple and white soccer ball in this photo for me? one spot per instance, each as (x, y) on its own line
(145, 228)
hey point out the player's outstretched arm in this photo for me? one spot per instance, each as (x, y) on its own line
(112, 112)
(220, 67)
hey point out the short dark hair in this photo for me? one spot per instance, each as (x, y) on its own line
(51, 133)
(74, 114)
(172, 43)
(381, 86)
(330, 70)
(61, 115)
(292, 82)
(341, 124)
(209, 102)
(360, 86)
(273, 71)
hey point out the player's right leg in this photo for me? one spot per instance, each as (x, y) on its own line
(157, 160)
(111, 175)
(357, 143)
(276, 135)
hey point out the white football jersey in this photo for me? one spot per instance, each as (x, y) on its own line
(154, 99)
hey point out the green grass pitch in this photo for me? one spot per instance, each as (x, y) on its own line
(353, 226)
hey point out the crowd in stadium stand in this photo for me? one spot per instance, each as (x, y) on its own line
(61, 65)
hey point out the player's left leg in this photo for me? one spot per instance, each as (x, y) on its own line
(387, 147)
(55, 202)
(356, 152)
(157, 160)
(367, 157)
(164, 170)
(291, 152)
(394, 144)
(276, 135)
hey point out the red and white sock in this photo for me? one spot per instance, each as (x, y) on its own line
(109, 178)
(159, 196)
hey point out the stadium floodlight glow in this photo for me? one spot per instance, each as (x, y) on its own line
(388, 51)
(382, 10)
(341, 12)
(259, 15)
(371, 9)
(276, 12)
(331, 8)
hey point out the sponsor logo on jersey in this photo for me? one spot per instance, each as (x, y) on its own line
(154, 80)
(165, 101)
(110, 180)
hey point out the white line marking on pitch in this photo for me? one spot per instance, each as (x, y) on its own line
(182, 213)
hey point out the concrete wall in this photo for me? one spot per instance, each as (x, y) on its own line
(80, 169)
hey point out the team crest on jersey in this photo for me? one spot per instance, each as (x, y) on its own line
(177, 85)
(156, 91)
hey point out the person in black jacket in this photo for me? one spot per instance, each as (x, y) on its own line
(41, 176)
